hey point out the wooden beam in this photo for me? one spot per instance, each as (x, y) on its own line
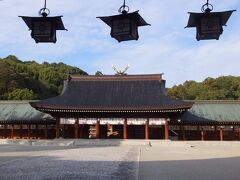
(166, 130)
(239, 134)
(202, 134)
(5, 131)
(215, 133)
(57, 127)
(21, 131)
(12, 131)
(221, 134)
(233, 133)
(46, 131)
(125, 129)
(76, 127)
(62, 130)
(182, 133)
(147, 129)
(198, 132)
(97, 126)
(28, 126)
(80, 131)
(36, 131)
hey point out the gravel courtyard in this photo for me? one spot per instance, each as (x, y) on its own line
(199, 161)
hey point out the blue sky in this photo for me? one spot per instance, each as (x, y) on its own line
(164, 47)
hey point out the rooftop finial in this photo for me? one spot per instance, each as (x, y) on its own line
(121, 72)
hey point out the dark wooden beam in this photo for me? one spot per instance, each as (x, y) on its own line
(46, 132)
(28, 131)
(76, 128)
(12, 131)
(215, 133)
(36, 132)
(202, 134)
(125, 129)
(221, 133)
(166, 130)
(97, 126)
(57, 127)
(21, 131)
(147, 129)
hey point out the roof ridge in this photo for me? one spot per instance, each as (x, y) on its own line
(142, 77)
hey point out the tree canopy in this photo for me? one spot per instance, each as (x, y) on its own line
(30, 80)
(221, 88)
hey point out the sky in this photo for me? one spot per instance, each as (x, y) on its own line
(164, 47)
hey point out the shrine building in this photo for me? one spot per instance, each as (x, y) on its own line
(119, 107)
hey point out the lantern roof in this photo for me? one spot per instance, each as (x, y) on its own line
(57, 19)
(134, 15)
(194, 17)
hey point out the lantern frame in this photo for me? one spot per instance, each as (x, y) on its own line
(55, 23)
(135, 20)
(129, 21)
(209, 25)
(52, 24)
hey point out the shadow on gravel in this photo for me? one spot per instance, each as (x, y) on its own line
(207, 169)
(37, 168)
(28, 148)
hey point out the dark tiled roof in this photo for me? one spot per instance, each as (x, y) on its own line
(126, 92)
(213, 111)
(20, 111)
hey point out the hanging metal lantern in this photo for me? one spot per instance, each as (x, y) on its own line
(44, 28)
(124, 27)
(209, 24)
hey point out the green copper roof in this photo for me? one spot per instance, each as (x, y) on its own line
(213, 111)
(12, 111)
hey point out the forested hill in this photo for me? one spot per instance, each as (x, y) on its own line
(30, 80)
(222, 88)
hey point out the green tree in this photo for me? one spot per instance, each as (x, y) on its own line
(21, 94)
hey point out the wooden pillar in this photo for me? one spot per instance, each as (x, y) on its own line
(198, 132)
(125, 129)
(182, 133)
(97, 129)
(62, 130)
(46, 132)
(221, 133)
(20, 131)
(80, 130)
(76, 127)
(233, 133)
(166, 128)
(5, 131)
(28, 126)
(239, 134)
(215, 133)
(36, 132)
(147, 129)
(12, 131)
(57, 127)
(202, 134)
